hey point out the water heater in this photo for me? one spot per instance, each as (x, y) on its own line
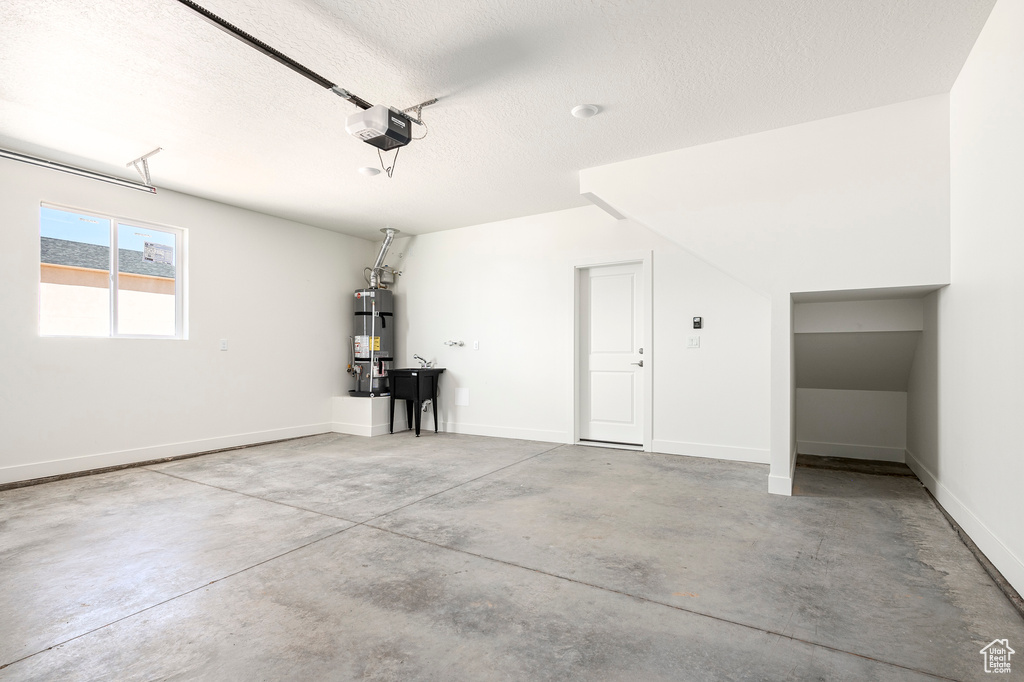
(373, 329)
(373, 341)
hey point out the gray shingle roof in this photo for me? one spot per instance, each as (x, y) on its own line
(63, 252)
(77, 254)
(132, 261)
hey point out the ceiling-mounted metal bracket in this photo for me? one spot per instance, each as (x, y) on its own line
(355, 99)
(143, 169)
(418, 108)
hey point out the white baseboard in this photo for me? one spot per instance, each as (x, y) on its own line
(1001, 556)
(875, 452)
(504, 432)
(780, 484)
(736, 454)
(71, 465)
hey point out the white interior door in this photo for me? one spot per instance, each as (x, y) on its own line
(611, 342)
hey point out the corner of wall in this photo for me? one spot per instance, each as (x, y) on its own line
(783, 397)
(781, 485)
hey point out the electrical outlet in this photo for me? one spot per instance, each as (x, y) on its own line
(476, 345)
(223, 344)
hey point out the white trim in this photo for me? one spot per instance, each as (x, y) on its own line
(612, 258)
(727, 452)
(58, 467)
(873, 452)
(500, 432)
(365, 430)
(783, 485)
(648, 275)
(780, 485)
(1001, 556)
(646, 260)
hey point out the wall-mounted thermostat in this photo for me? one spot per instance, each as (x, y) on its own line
(698, 322)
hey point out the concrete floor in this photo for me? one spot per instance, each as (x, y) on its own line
(468, 558)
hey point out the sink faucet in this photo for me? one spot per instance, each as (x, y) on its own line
(423, 361)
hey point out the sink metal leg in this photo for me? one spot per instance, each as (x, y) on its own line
(434, 403)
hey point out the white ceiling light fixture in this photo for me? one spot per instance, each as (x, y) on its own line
(369, 171)
(584, 110)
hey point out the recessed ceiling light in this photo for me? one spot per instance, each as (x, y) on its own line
(369, 171)
(584, 110)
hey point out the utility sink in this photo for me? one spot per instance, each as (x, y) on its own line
(414, 385)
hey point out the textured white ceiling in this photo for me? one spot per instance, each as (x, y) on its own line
(100, 82)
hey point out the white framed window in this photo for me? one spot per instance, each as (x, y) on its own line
(100, 275)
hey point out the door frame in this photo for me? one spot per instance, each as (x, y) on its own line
(645, 259)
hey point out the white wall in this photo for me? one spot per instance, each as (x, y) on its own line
(892, 315)
(965, 440)
(509, 285)
(277, 290)
(857, 424)
(858, 201)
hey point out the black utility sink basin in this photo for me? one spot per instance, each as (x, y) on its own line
(414, 385)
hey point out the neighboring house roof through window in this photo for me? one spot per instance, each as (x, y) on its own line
(92, 256)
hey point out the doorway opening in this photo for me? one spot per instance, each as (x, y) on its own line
(856, 364)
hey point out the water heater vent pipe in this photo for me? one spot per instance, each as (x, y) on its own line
(389, 236)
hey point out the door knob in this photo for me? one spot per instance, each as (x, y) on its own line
(641, 363)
